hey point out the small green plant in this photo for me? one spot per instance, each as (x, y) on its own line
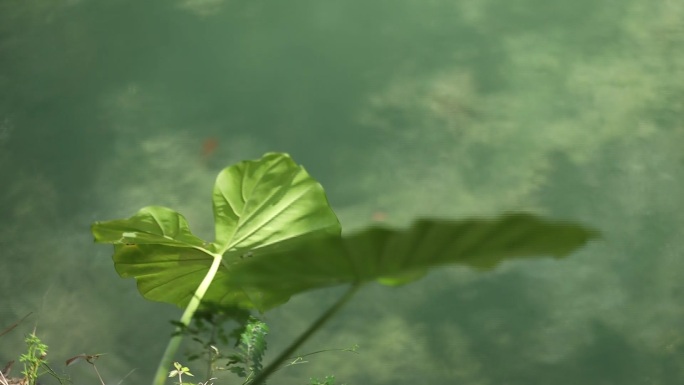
(209, 330)
(276, 236)
(35, 361)
(247, 362)
(180, 371)
(34, 358)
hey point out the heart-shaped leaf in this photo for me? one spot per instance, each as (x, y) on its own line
(268, 202)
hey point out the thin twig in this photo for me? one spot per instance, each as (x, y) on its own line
(9, 328)
(126, 376)
(3, 380)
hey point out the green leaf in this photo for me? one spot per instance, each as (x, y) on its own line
(260, 203)
(151, 225)
(163, 273)
(271, 202)
(277, 236)
(395, 257)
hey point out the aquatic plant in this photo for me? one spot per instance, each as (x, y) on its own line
(276, 236)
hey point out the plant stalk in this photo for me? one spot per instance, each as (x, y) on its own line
(289, 351)
(177, 338)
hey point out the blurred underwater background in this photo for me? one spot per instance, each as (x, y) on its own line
(401, 109)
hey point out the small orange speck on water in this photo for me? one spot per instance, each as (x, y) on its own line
(209, 147)
(379, 216)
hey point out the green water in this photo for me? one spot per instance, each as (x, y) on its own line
(572, 110)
